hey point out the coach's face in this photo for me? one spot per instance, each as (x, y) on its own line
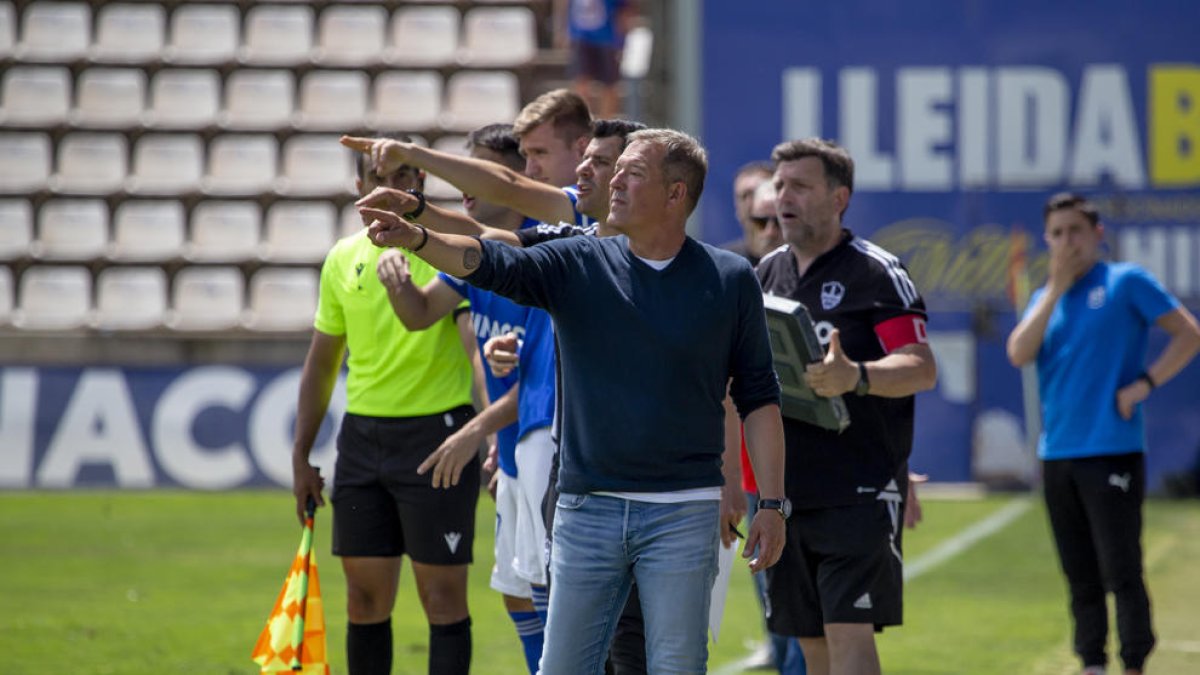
(639, 189)
(594, 174)
(809, 209)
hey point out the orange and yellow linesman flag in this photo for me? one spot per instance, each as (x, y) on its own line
(1019, 287)
(294, 638)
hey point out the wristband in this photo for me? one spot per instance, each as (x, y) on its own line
(1145, 377)
(424, 239)
(416, 213)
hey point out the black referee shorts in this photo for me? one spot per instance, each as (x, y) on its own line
(381, 507)
(839, 565)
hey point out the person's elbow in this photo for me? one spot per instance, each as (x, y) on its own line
(927, 374)
(1017, 356)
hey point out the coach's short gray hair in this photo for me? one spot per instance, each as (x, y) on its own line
(684, 161)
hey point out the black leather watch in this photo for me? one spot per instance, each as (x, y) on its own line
(864, 384)
(416, 213)
(783, 506)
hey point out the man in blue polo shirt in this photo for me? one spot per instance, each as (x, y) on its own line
(1087, 329)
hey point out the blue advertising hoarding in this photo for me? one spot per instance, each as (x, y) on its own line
(962, 118)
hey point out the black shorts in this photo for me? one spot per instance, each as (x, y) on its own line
(381, 507)
(839, 565)
(596, 62)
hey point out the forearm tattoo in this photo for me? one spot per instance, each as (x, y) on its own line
(471, 258)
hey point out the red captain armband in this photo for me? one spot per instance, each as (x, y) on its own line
(898, 331)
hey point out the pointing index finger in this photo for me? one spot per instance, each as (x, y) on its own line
(357, 143)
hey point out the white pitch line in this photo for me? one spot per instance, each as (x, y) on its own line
(965, 539)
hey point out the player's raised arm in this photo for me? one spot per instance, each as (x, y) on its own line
(451, 253)
(486, 180)
(414, 208)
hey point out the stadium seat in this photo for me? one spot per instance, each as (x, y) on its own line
(207, 298)
(24, 162)
(351, 36)
(147, 230)
(300, 232)
(8, 29)
(57, 32)
(224, 231)
(437, 188)
(130, 298)
(424, 36)
(278, 35)
(110, 97)
(241, 164)
(282, 299)
(184, 99)
(476, 98)
(6, 295)
(258, 99)
(91, 163)
(36, 96)
(71, 229)
(332, 100)
(53, 297)
(16, 228)
(203, 34)
(316, 165)
(167, 164)
(349, 222)
(406, 100)
(129, 33)
(498, 37)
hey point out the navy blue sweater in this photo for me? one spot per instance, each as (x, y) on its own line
(645, 354)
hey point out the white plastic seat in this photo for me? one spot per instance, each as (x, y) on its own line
(34, 95)
(24, 162)
(224, 231)
(282, 299)
(498, 37)
(91, 163)
(332, 100)
(350, 222)
(407, 100)
(351, 36)
(72, 229)
(435, 186)
(207, 298)
(185, 99)
(53, 297)
(241, 164)
(258, 99)
(299, 231)
(6, 295)
(110, 97)
(130, 298)
(55, 31)
(129, 33)
(147, 230)
(278, 35)
(167, 164)
(203, 34)
(16, 228)
(476, 98)
(316, 165)
(8, 29)
(424, 36)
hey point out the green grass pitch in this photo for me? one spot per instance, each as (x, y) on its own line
(126, 583)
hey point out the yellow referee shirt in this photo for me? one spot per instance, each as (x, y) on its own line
(393, 372)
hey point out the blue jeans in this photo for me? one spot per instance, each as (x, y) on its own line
(601, 544)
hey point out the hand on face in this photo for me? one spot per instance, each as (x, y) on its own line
(1067, 264)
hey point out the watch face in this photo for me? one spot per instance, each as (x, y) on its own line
(785, 507)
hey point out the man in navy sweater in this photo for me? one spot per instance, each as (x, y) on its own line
(652, 326)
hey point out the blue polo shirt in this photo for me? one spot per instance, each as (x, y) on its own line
(1095, 343)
